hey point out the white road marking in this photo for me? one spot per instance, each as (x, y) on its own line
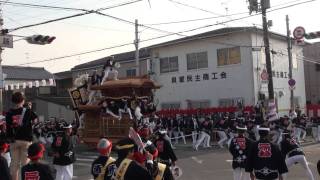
(83, 164)
(85, 159)
(197, 160)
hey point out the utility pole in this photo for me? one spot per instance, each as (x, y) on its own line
(267, 49)
(1, 72)
(290, 60)
(136, 43)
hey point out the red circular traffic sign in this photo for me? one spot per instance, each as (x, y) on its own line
(299, 32)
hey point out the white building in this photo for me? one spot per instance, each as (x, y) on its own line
(222, 67)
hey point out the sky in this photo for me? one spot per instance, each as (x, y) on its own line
(93, 31)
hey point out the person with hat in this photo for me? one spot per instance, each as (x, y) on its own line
(294, 153)
(251, 128)
(4, 168)
(19, 122)
(238, 148)
(126, 167)
(232, 128)
(35, 169)
(205, 131)
(159, 170)
(63, 154)
(222, 127)
(316, 128)
(166, 153)
(300, 128)
(265, 160)
(100, 167)
(4, 138)
(318, 167)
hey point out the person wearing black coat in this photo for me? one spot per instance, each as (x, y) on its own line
(239, 147)
(125, 167)
(265, 160)
(35, 169)
(294, 153)
(166, 153)
(63, 153)
(4, 169)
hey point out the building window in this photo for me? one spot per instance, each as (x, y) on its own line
(317, 67)
(169, 64)
(197, 60)
(175, 105)
(199, 104)
(227, 56)
(230, 102)
(131, 72)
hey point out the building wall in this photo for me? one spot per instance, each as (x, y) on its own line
(280, 65)
(48, 109)
(312, 70)
(243, 80)
(237, 84)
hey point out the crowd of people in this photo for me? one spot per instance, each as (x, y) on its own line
(148, 153)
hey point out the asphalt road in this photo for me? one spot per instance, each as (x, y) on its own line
(205, 164)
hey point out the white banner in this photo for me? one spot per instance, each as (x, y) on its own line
(30, 84)
(51, 82)
(37, 83)
(43, 82)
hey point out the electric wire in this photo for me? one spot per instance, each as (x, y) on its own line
(159, 37)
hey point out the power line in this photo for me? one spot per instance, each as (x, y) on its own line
(117, 46)
(214, 17)
(132, 23)
(193, 7)
(159, 37)
(40, 6)
(236, 19)
(199, 19)
(77, 54)
(75, 15)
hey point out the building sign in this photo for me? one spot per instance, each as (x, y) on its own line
(6, 41)
(198, 77)
(280, 74)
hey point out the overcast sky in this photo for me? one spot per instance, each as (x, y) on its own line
(91, 32)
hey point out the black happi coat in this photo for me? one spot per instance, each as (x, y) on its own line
(165, 150)
(290, 147)
(36, 171)
(134, 171)
(239, 147)
(62, 146)
(265, 160)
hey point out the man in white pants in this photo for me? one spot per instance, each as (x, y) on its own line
(178, 130)
(294, 153)
(193, 125)
(316, 128)
(64, 157)
(222, 127)
(204, 135)
(238, 148)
